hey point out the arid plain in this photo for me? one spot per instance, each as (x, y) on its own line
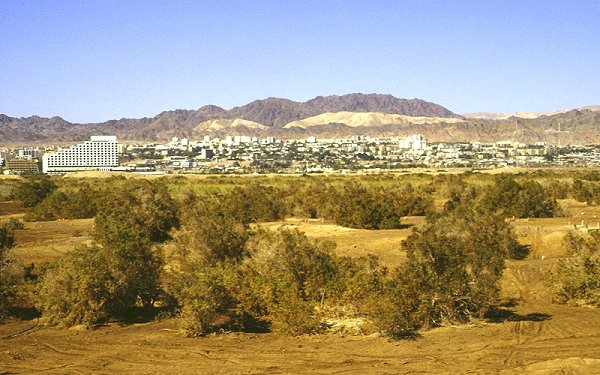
(528, 334)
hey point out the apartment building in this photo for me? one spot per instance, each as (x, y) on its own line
(99, 153)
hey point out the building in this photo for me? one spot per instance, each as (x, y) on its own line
(99, 153)
(414, 142)
(20, 166)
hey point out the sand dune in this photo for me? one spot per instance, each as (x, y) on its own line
(221, 124)
(355, 119)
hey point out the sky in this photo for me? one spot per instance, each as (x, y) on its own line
(91, 61)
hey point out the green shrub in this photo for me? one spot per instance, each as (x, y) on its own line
(34, 190)
(586, 191)
(456, 262)
(577, 279)
(364, 206)
(13, 224)
(293, 315)
(123, 271)
(510, 198)
(396, 309)
(207, 236)
(205, 297)
(280, 282)
(8, 275)
(69, 203)
(78, 289)
(308, 265)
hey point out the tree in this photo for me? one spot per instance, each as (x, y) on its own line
(34, 190)
(128, 222)
(456, 261)
(123, 269)
(79, 288)
(509, 198)
(11, 275)
(577, 279)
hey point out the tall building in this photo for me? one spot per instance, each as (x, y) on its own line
(99, 153)
(414, 142)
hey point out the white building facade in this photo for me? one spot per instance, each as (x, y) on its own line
(414, 142)
(99, 153)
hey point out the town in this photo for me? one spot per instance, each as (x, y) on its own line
(245, 154)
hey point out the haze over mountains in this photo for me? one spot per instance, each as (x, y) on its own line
(329, 116)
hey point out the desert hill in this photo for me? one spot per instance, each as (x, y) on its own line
(225, 124)
(525, 115)
(323, 116)
(358, 119)
(270, 112)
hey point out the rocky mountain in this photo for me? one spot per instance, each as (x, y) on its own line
(270, 113)
(329, 116)
(525, 115)
(378, 103)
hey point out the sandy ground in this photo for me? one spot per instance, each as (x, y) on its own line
(530, 335)
(42, 241)
(385, 244)
(535, 337)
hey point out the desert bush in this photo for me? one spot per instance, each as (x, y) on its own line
(456, 261)
(128, 223)
(67, 203)
(78, 289)
(278, 284)
(308, 265)
(34, 190)
(359, 207)
(293, 315)
(123, 270)
(8, 277)
(412, 202)
(586, 191)
(12, 224)
(256, 203)
(557, 189)
(93, 284)
(140, 210)
(510, 198)
(577, 279)
(364, 206)
(395, 307)
(205, 297)
(208, 234)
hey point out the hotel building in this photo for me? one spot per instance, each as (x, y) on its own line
(99, 153)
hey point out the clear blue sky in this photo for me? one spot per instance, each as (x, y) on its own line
(91, 61)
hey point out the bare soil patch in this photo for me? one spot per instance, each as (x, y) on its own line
(9, 208)
(44, 240)
(526, 335)
(385, 244)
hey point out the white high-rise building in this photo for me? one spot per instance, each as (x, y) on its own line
(414, 142)
(99, 153)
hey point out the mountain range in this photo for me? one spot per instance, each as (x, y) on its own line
(323, 116)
